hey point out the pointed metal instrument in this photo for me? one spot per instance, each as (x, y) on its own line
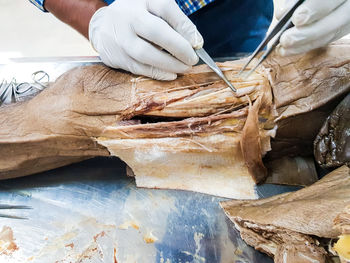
(210, 62)
(277, 31)
(2, 206)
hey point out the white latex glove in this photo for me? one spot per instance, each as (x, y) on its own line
(130, 35)
(317, 23)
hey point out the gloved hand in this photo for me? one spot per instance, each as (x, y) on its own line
(130, 35)
(317, 23)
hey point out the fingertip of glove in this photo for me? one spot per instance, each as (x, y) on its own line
(162, 75)
(172, 77)
(285, 52)
(189, 59)
(192, 61)
(168, 77)
(301, 16)
(281, 51)
(286, 40)
(197, 41)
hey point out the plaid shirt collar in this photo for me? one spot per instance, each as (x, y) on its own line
(191, 6)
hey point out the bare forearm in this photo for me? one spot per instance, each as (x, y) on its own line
(75, 13)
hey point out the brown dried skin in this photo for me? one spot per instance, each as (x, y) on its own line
(332, 144)
(86, 106)
(342, 221)
(305, 89)
(288, 225)
(251, 145)
(57, 127)
(60, 125)
(305, 82)
(283, 245)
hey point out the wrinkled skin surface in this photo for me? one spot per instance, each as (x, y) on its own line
(57, 126)
(84, 107)
(65, 122)
(287, 225)
(60, 125)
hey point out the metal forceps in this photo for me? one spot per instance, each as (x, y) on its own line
(210, 62)
(13, 207)
(284, 24)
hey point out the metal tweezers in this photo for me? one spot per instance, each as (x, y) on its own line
(210, 62)
(284, 24)
(13, 207)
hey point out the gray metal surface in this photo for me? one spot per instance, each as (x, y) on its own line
(88, 212)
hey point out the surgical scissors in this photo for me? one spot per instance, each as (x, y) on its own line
(277, 31)
(11, 92)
